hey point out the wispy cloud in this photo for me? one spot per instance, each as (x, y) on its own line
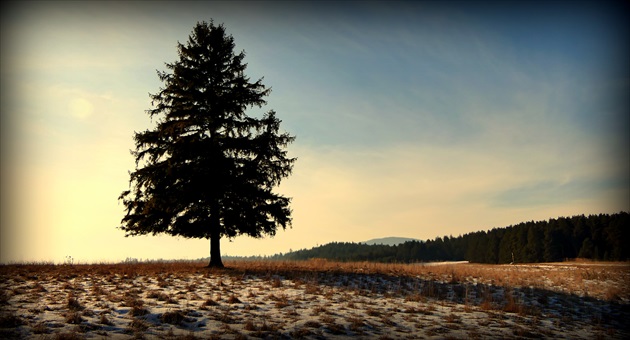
(416, 189)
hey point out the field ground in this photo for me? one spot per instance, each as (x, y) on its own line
(315, 299)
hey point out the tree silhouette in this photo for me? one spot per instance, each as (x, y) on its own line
(208, 170)
(541, 241)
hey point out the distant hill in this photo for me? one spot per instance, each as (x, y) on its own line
(389, 241)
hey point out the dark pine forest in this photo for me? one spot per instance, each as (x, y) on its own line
(598, 237)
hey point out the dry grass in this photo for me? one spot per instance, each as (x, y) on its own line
(173, 317)
(574, 278)
(315, 299)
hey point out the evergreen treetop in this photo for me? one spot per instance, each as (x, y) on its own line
(208, 170)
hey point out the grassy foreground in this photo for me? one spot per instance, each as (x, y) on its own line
(315, 299)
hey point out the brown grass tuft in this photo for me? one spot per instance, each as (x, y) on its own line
(68, 336)
(10, 320)
(137, 325)
(73, 318)
(73, 304)
(103, 320)
(233, 299)
(173, 317)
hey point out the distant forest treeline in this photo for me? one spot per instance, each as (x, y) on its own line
(598, 237)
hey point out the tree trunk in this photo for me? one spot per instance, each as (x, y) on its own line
(215, 251)
(215, 238)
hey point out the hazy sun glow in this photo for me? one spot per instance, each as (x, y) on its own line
(412, 119)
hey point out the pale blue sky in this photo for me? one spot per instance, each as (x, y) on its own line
(415, 119)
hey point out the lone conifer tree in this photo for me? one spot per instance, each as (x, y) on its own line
(207, 170)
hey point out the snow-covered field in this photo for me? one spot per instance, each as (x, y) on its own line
(315, 299)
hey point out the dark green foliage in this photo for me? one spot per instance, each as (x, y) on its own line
(207, 170)
(552, 247)
(597, 237)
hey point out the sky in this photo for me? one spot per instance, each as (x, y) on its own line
(413, 119)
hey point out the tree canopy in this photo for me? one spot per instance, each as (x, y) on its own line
(207, 169)
(597, 237)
